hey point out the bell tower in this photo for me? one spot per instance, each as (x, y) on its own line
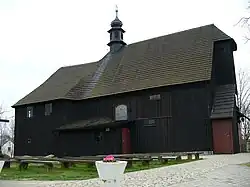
(116, 34)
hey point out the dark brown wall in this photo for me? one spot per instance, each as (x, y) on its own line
(223, 72)
(182, 125)
(223, 63)
(38, 128)
(79, 143)
(185, 127)
(183, 112)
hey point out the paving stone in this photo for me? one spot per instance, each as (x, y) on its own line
(214, 170)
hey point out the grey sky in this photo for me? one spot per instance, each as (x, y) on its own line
(39, 36)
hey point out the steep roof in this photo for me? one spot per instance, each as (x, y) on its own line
(224, 101)
(177, 58)
(58, 85)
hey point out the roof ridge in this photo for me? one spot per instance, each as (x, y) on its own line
(79, 64)
(186, 30)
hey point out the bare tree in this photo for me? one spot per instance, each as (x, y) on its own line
(243, 101)
(245, 23)
(2, 127)
(6, 133)
(11, 129)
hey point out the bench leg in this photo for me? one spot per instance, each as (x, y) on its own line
(49, 167)
(145, 163)
(164, 161)
(178, 158)
(23, 166)
(65, 164)
(197, 156)
(189, 156)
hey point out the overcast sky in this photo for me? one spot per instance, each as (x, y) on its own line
(39, 36)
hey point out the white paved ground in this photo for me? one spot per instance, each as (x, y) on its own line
(215, 170)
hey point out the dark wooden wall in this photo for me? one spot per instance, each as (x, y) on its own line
(78, 143)
(236, 138)
(223, 72)
(182, 124)
(223, 63)
(182, 113)
(38, 128)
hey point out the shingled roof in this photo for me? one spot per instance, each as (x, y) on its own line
(224, 102)
(177, 58)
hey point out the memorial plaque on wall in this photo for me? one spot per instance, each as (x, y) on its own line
(121, 113)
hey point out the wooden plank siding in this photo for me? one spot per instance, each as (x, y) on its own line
(80, 143)
(181, 124)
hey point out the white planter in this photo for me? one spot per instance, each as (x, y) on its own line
(111, 172)
(1, 165)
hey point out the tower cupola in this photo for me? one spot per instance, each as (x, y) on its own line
(116, 34)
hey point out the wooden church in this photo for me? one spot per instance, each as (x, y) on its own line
(166, 94)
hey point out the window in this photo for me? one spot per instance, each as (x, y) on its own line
(149, 123)
(48, 109)
(29, 112)
(111, 36)
(98, 136)
(29, 141)
(155, 97)
(121, 113)
(122, 36)
(116, 34)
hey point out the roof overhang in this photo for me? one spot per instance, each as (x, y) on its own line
(93, 124)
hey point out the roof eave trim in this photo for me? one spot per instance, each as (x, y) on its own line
(222, 117)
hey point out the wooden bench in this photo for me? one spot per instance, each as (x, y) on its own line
(66, 162)
(127, 156)
(180, 154)
(165, 159)
(23, 164)
(144, 161)
(196, 156)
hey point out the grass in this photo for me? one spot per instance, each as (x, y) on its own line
(247, 164)
(79, 172)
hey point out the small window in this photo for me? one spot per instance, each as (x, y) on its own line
(149, 123)
(98, 136)
(111, 36)
(48, 109)
(29, 141)
(121, 35)
(29, 112)
(155, 97)
(116, 34)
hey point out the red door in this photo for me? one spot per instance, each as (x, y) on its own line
(126, 142)
(222, 136)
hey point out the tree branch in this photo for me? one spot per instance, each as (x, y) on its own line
(245, 22)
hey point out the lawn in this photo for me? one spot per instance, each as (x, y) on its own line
(247, 164)
(79, 172)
